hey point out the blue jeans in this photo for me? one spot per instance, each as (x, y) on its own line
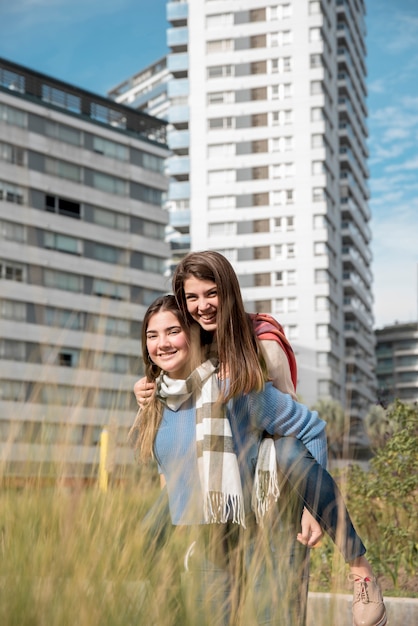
(319, 493)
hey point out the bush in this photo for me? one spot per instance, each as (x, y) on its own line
(383, 503)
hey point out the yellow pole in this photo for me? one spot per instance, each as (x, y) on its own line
(103, 473)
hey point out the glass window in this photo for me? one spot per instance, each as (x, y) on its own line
(11, 193)
(105, 253)
(111, 219)
(63, 280)
(108, 289)
(63, 132)
(13, 116)
(13, 310)
(12, 231)
(63, 243)
(110, 184)
(64, 318)
(110, 149)
(63, 169)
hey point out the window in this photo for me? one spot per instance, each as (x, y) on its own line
(318, 168)
(222, 228)
(63, 280)
(63, 243)
(291, 277)
(289, 196)
(314, 7)
(319, 222)
(278, 306)
(12, 350)
(219, 45)
(63, 133)
(61, 98)
(284, 223)
(111, 219)
(12, 310)
(321, 276)
(12, 390)
(68, 358)
(279, 278)
(12, 116)
(292, 305)
(316, 87)
(110, 149)
(317, 113)
(315, 35)
(318, 194)
(110, 184)
(220, 71)
(293, 331)
(11, 271)
(320, 247)
(12, 231)
(221, 203)
(221, 176)
(321, 303)
(110, 326)
(220, 122)
(108, 289)
(11, 154)
(221, 150)
(107, 254)
(64, 318)
(322, 331)
(317, 141)
(221, 97)
(11, 193)
(220, 19)
(63, 169)
(315, 60)
(62, 206)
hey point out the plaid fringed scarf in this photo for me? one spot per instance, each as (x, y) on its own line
(266, 485)
(217, 461)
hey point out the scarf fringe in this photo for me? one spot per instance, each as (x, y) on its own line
(266, 485)
(220, 508)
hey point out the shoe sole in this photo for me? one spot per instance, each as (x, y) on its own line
(382, 622)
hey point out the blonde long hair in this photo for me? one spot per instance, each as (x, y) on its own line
(237, 347)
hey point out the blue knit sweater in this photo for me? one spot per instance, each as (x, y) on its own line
(250, 415)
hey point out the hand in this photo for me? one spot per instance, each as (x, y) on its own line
(311, 530)
(143, 391)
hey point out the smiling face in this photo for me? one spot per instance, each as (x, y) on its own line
(202, 301)
(168, 344)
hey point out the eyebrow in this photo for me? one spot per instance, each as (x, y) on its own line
(150, 330)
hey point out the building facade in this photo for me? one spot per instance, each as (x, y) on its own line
(397, 363)
(267, 128)
(83, 254)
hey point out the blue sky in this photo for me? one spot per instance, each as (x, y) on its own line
(96, 44)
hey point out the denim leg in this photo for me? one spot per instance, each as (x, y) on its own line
(320, 494)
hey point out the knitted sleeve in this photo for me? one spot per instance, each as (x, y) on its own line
(279, 414)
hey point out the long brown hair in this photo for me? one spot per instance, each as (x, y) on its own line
(143, 432)
(236, 343)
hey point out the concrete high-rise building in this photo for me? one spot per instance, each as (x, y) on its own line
(83, 254)
(267, 128)
(397, 362)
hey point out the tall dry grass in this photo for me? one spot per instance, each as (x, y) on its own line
(76, 555)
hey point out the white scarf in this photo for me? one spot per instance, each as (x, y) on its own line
(217, 461)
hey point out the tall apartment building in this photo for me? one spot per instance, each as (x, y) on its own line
(83, 253)
(267, 128)
(397, 363)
